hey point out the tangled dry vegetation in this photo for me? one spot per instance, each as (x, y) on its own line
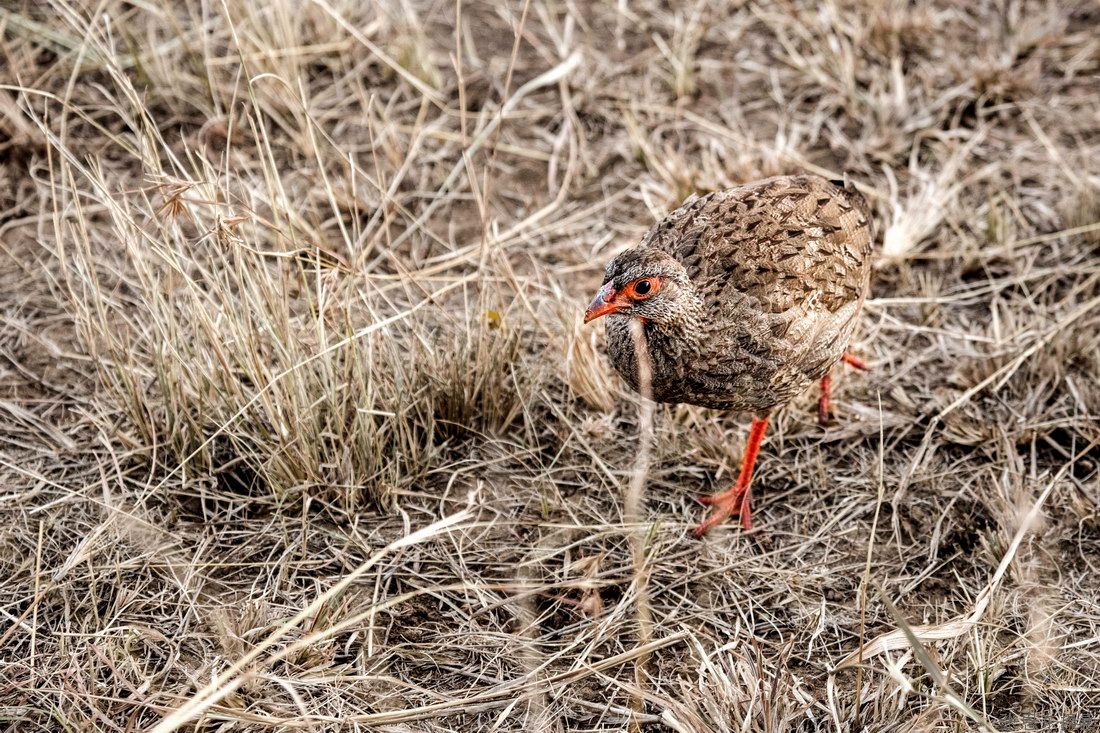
(282, 283)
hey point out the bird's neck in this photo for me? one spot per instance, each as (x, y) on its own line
(684, 329)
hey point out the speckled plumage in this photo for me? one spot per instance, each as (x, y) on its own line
(763, 287)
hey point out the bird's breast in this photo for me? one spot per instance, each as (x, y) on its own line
(720, 373)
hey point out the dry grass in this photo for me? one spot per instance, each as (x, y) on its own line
(283, 283)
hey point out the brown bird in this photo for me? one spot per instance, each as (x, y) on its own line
(746, 296)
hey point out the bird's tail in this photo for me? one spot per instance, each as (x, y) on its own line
(859, 201)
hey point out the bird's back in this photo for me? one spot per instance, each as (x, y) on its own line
(780, 241)
(782, 267)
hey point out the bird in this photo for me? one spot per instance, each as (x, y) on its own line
(744, 297)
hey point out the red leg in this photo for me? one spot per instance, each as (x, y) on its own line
(823, 409)
(735, 502)
(854, 361)
(824, 406)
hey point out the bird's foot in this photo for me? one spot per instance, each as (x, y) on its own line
(854, 361)
(824, 404)
(732, 503)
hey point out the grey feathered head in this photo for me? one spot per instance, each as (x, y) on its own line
(643, 282)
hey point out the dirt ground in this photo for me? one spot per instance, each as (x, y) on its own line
(300, 428)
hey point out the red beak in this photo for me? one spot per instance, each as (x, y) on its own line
(604, 303)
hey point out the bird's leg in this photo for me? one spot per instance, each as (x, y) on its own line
(854, 361)
(823, 409)
(735, 502)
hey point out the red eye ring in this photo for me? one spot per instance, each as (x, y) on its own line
(643, 288)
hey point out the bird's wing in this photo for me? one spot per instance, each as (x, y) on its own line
(783, 243)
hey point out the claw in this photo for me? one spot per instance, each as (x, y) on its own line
(733, 503)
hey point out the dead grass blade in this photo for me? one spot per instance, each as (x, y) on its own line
(544, 79)
(521, 688)
(232, 678)
(632, 513)
(900, 638)
(953, 698)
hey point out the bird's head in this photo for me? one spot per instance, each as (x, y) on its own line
(645, 283)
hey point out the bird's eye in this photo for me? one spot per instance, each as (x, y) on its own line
(642, 287)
